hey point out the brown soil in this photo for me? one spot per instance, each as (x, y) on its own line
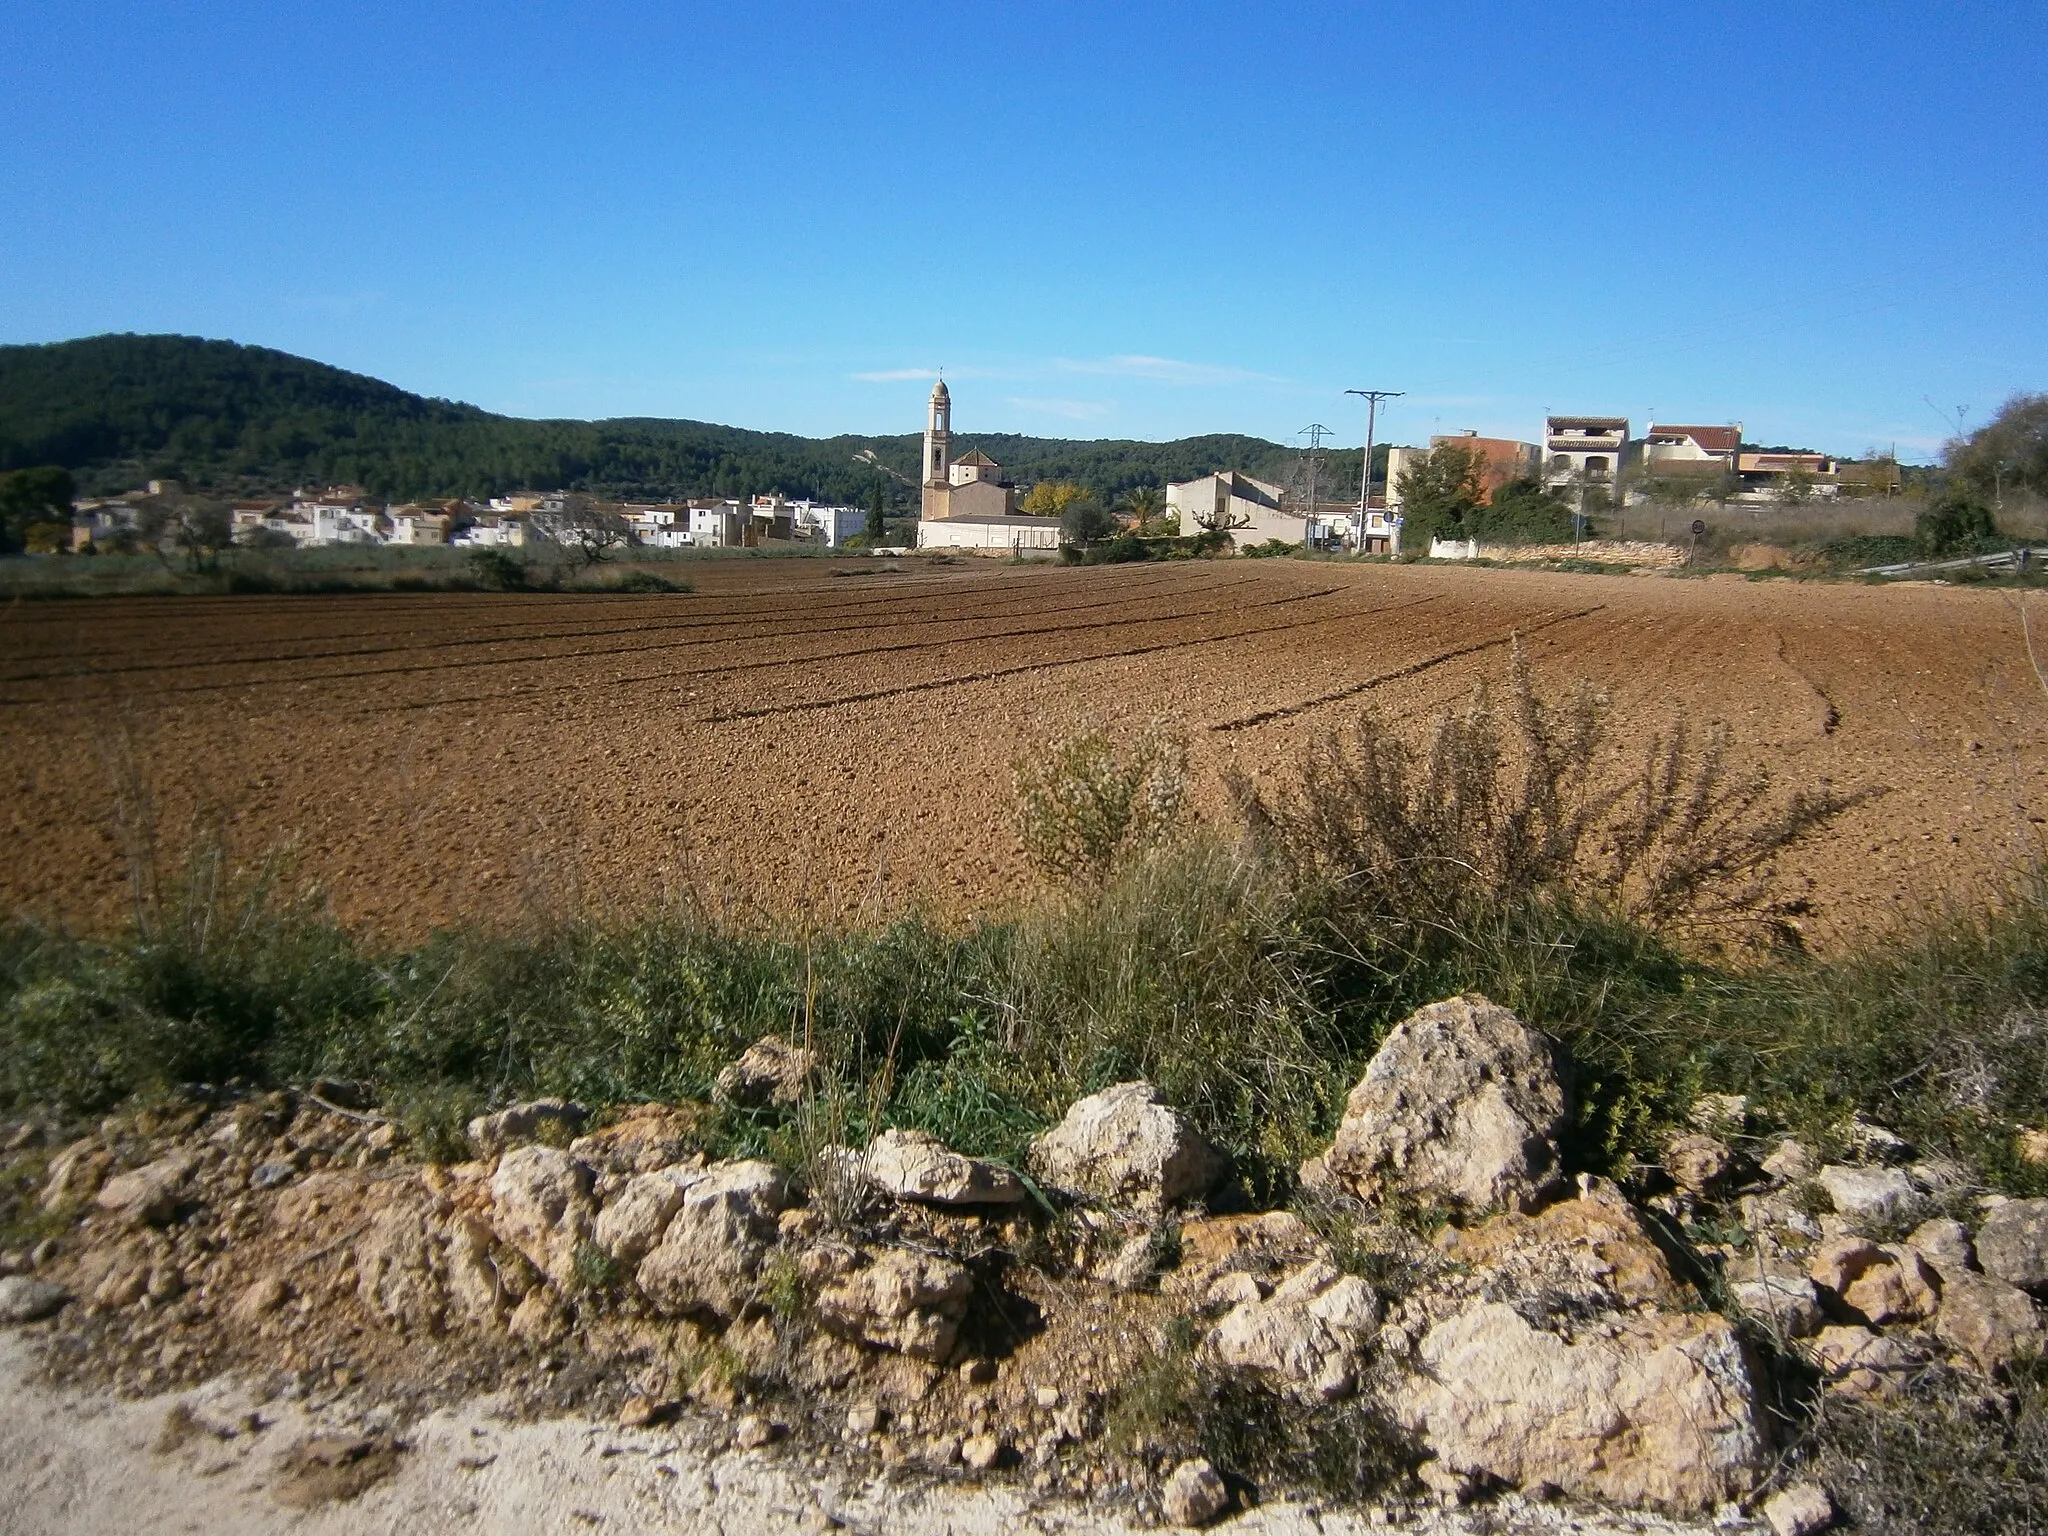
(839, 737)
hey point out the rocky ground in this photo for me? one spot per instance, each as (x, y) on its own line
(1444, 1322)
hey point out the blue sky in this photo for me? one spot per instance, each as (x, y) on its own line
(1823, 220)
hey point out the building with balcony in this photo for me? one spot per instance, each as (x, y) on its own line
(1582, 453)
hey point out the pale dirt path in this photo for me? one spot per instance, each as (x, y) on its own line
(85, 1465)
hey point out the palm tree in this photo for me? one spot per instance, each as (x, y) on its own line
(1143, 504)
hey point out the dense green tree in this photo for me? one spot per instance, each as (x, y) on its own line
(2008, 452)
(877, 527)
(1521, 511)
(1440, 490)
(1085, 520)
(31, 498)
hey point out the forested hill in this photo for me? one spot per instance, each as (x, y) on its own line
(119, 410)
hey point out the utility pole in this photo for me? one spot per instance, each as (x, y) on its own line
(1316, 433)
(1372, 397)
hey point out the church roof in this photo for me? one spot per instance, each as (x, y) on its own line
(976, 456)
(940, 392)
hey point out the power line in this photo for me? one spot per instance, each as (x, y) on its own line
(1372, 398)
(1316, 433)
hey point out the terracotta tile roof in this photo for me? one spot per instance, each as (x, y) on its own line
(1712, 439)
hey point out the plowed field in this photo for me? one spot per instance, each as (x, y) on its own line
(839, 738)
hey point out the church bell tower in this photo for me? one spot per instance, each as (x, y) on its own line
(938, 436)
(938, 451)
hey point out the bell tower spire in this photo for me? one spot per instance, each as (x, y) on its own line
(938, 436)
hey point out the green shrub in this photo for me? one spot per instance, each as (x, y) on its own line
(497, 571)
(1087, 801)
(1955, 524)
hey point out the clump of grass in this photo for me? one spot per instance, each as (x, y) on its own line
(1944, 1461)
(1172, 1407)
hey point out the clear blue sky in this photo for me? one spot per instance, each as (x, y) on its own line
(1102, 220)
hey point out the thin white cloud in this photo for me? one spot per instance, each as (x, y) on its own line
(1071, 410)
(1163, 370)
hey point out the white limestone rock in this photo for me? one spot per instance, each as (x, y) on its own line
(1662, 1410)
(1463, 1103)
(1126, 1146)
(909, 1302)
(2012, 1244)
(915, 1165)
(541, 1205)
(546, 1120)
(709, 1256)
(1194, 1494)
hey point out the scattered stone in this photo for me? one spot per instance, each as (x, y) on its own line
(2012, 1244)
(1589, 1255)
(1860, 1362)
(1868, 1194)
(23, 1300)
(1789, 1303)
(1194, 1494)
(398, 1262)
(538, 1318)
(555, 1121)
(643, 1412)
(1989, 1321)
(977, 1372)
(753, 1432)
(1888, 1284)
(1720, 1114)
(1791, 1162)
(1462, 1103)
(259, 1299)
(1799, 1510)
(1126, 1146)
(910, 1302)
(1874, 1144)
(273, 1173)
(1234, 1287)
(147, 1195)
(1946, 1245)
(863, 1419)
(771, 1071)
(1662, 1410)
(982, 1453)
(124, 1282)
(75, 1173)
(1698, 1163)
(2032, 1146)
(1306, 1338)
(541, 1205)
(915, 1165)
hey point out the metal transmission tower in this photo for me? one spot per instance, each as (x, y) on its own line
(1316, 433)
(1372, 398)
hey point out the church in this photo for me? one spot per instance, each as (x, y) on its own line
(968, 504)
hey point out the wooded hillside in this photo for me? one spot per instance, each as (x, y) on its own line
(122, 409)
